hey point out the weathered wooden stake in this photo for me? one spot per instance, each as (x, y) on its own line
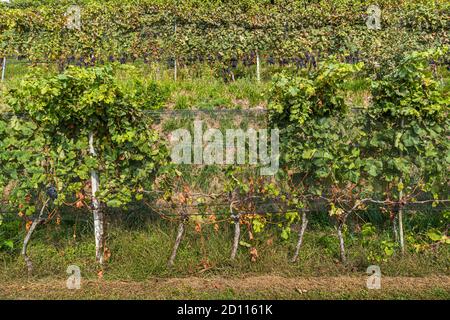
(400, 208)
(300, 236)
(237, 231)
(341, 242)
(177, 243)
(258, 67)
(96, 210)
(28, 237)
(181, 227)
(3, 69)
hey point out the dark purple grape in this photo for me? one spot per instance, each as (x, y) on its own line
(284, 61)
(296, 61)
(146, 60)
(234, 63)
(171, 62)
(52, 193)
(314, 63)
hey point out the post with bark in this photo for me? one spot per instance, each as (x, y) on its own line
(237, 231)
(300, 236)
(181, 227)
(341, 241)
(258, 67)
(400, 206)
(96, 210)
(33, 226)
(175, 62)
(175, 71)
(340, 232)
(400, 223)
(394, 226)
(3, 68)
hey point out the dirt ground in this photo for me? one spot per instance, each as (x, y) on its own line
(251, 287)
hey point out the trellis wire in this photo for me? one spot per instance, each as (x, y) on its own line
(281, 211)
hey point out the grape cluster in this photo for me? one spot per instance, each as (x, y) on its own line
(170, 62)
(234, 63)
(249, 59)
(52, 193)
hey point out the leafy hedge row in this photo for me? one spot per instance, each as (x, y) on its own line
(45, 142)
(394, 152)
(398, 145)
(220, 30)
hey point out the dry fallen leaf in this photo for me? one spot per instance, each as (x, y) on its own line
(253, 254)
(106, 254)
(28, 225)
(301, 291)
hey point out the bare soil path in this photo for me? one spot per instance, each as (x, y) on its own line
(251, 287)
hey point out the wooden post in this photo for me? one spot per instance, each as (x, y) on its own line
(28, 237)
(394, 226)
(3, 68)
(237, 234)
(400, 208)
(175, 62)
(237, 225)
(341, 241)
(181, 227)
(258, 67)
(400, 222)
(96, 210)
(340, 232)
(177, 243)
(300, 236)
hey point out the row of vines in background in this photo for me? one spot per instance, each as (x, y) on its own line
(221, 32)
(81, 139)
